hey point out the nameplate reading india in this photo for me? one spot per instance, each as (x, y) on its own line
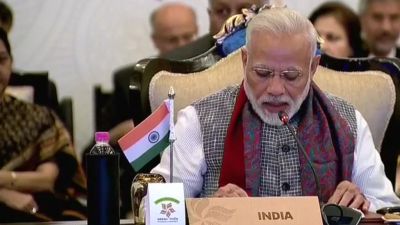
(254, 211)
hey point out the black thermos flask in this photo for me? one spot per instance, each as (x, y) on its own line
(102, 166)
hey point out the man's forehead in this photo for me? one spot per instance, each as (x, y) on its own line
(384, 5)
(236, 2)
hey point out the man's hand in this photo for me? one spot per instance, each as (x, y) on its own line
(348, 194)
(230, 190)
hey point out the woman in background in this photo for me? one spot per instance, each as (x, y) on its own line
(39, 173)
(340, 29)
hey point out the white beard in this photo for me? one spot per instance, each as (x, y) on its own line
(273, 118)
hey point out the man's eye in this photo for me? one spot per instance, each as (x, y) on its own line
(291, 75)
(264, 73)
(4, 58)
(332, 37)
(222, 12)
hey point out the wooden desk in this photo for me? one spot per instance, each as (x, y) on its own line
(370, 219)
(81, 222)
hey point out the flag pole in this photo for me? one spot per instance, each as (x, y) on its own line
(172, 138)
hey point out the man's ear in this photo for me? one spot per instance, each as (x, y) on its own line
(244, 57)
(314, 65)
(156, 40)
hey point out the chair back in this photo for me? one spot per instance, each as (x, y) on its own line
(36, 87)
(145, 69)
(192, 86)
(371, 92)
(390, 148)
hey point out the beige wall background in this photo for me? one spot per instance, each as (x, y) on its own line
(81, 42)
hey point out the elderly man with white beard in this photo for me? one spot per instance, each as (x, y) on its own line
(233, 143)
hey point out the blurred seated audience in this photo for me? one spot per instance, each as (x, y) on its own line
(340, 30)
(219, 11)
(173, 25)
(118, 118)
(380, 24)
(6, 22)
(40, 175)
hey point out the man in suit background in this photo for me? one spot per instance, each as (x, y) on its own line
(118, 118)
(380, 22)
(218, 11)
(173, 25)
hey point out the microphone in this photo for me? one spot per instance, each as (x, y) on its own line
(285, 120)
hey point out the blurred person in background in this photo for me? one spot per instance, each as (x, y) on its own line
(380, 23)
(119, 115)
(218, 11)
(340, 29)
(173, 25)
(39, 172)
(6, 22)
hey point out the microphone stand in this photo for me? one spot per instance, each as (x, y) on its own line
(328, 210)
(285, 120)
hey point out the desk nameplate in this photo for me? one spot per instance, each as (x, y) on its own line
(254, 211)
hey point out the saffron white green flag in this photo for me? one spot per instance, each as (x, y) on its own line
(148, 139)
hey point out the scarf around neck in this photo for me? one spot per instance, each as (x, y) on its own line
(322, 131)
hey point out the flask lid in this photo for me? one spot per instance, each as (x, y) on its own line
(102, 136)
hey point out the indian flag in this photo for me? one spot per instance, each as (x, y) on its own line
(148, 139)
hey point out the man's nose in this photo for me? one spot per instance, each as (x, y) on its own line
(182, 42)
(387, 25)
(276, 86)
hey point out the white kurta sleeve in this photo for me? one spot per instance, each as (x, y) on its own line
(368, 170)
(189, 162)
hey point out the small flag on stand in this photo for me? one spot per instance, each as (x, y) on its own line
(148, 139)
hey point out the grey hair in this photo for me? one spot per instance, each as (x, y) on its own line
(364, 4)
(278, 21)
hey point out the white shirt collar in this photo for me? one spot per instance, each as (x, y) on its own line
(392, 54)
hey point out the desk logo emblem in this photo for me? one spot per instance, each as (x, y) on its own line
(167, 209)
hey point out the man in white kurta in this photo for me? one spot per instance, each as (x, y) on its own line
(232, 143)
